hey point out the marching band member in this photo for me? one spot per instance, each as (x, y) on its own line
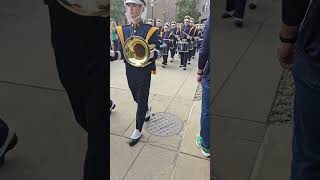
(199, 36)
(185, 33)
(173, 47)
(150, 22)
(138, 77)
(193, 33)
(158, 25)
(167, 38)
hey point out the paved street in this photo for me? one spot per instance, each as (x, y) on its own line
(157, 158)
(246, 77)
(51, 145)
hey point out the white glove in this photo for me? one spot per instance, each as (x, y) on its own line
(112, 53)
(163, 45)
(152, 53)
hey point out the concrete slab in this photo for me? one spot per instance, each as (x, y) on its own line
(25, 42)
(234, 158)
(188, 145)
(274, 159)
(229, 44)
(153, 163)
(253, 79)
(189, 87)
(160, 103)
(124, 113)
(181, 108)
(191, 168)
(236, 128)
(118, 78)
(168, 80)
(48, 135)
(122, 156)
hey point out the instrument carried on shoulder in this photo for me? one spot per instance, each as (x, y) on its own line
(137, 51)
(183, 46)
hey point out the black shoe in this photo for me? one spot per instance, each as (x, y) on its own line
(112, 106)
(9, 144)
(184, 68)
(226, 15)
(133, 142)
(189, 63)
(180, 66)
(148, 115)
(252, 6)
(238, 22)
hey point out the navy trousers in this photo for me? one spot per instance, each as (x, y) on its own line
(237, 6)
(139, 80)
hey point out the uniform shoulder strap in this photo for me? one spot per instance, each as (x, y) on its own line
(191, 29)
(151, 31)
(121, 36)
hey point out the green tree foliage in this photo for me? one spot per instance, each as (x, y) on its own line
(117, 10)
(186, 7)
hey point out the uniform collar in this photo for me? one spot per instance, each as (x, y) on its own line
(136, 26)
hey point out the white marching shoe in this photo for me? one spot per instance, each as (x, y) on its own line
(135, 137)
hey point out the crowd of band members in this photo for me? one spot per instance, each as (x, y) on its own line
(170, 34)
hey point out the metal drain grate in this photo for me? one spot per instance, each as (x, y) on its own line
(164, 124)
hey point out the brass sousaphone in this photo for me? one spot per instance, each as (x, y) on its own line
(137, 51)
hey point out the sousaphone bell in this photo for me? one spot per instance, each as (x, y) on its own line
(137, 51)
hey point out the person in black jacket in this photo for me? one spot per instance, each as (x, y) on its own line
(299, 50)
